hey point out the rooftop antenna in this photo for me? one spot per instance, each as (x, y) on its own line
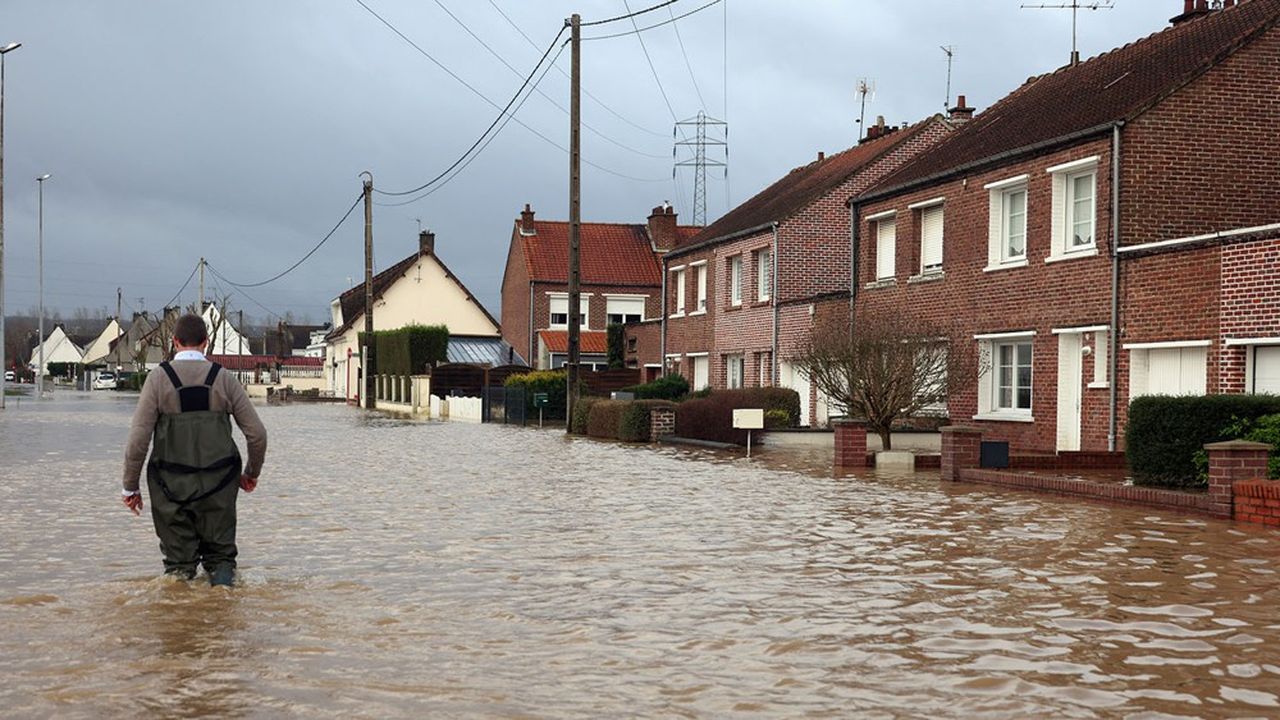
(1075, 6)
(419, 221)
(865, 87)
(950, 52)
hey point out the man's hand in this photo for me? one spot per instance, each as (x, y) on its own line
(247, 483)
(133, 502)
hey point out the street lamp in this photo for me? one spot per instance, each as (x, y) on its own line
(3, 51)
(40, 254)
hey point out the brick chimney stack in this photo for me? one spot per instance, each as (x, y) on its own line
(526, 221)
(1192, 9)
(662, 227)
(426, 243)
(961, 113)
(878, 130)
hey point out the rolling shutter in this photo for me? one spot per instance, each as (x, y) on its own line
(931, 238)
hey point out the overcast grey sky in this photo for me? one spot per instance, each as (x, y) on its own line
(236, 129)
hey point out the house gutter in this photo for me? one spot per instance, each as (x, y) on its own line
(722, 238)
(774, 293)
(1113, 360)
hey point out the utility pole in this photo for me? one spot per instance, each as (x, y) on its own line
(3, 51)
(200, 307)
(240, 335)
(40, 265)
(119, 332)
(366, 353)
(575, 219)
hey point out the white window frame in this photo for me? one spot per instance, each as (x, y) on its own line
(1140, 365)
(700, 276)
(584, 305)
(988, 379)
(680, 291)
(628, 300)
(998, 226)
(1100, 350)
(1251, 346)
(735, 370)
(764, 275)
(1063, 216)
(886, 246)
(735, 280)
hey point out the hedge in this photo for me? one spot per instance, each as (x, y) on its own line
(711, 417)
(1164, 434)
(408, 350)
(667, 387)
(551, 382)
(635, 422)
(581, 413)
(616, 337)
(604, 418)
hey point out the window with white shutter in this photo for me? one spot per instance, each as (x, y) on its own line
(931, 239)
(886, 239)
(1074, 210)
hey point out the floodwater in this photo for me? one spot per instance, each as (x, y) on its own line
(396, 569)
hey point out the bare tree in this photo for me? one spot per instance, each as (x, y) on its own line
(887, 366)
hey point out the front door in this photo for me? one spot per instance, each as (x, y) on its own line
(1069, 382)
(790, 377)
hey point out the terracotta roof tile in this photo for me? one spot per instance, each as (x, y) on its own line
(557, 341)
(800, 187)
(1116, 85)
(611, 254)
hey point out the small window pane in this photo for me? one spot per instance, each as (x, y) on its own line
(1015, 204)
(1082, 215)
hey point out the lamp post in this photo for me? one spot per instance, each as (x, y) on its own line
(3, 51)
(40, 262)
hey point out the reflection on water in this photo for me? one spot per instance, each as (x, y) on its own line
(407, 569)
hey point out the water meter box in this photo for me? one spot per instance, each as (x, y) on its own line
(993, 454)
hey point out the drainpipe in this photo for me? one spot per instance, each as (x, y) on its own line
(662, 332)
(529, 347)
(855, 212)
(1114, 360)
(777, 310)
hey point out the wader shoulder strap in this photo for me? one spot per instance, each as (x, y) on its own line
(173, 376)
(213, 373)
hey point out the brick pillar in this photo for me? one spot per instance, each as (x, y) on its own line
(851, 443)
(662, 422)
(1229, 462)
(960, 448)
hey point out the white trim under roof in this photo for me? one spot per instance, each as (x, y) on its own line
(675, 268)
(1080, 164)
(673, 356)
(565, 294)
(696, 263)
(1234, 342)
(697, 354)
(1197, 238)
(626, 296)
(881, 215)
(1002, 184)
(1081, 329)
(927, 203)
(1006, 335)
(653, 365)
(1165, 345)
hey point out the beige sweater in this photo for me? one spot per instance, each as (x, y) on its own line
(159, 396)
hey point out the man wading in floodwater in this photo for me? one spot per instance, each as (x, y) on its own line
(194, 474)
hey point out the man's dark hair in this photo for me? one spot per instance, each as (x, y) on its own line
(189, 331)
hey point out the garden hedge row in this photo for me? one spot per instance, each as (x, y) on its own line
(1164, 434)
(667, 387)
(711, 417)
(408, 350)
(552, 382)
(626, 420)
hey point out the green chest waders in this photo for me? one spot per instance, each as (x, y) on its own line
(191, 478)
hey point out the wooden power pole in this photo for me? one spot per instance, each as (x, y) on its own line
(575, 218)
(366, 353)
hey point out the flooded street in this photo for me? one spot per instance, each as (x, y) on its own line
(398, 569)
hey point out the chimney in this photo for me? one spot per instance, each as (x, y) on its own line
(878, 130)
(526, 221)
(961, 113)
(426, 243)
(1192, 9)
(821, 156)
(662, 227)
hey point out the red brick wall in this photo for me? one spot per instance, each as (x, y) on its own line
(1205, 158)
(1040, 296)
(745, 329)
(515, 301)
(1250, 303)
(1257, 501)
(648, 343)
(691, 333)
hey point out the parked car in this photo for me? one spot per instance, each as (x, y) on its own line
(8, 376)
(106, 380)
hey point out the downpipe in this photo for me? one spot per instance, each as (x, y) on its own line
(1113, 361)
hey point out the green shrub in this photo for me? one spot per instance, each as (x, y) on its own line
(581, 414)
(408, 350)
(667, 387)
(1263, 429)
(776, 418)
(63, 369)
(615, 336)
(634, 424)
(604, 418)
(1164, 434)
(711, 417)
(551, 382)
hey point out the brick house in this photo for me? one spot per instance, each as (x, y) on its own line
(621, 281)
(743, 293)
(1133, 191)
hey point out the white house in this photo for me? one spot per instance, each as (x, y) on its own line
(227, 340)
(58, 348)
(97, 351)
(418, 290)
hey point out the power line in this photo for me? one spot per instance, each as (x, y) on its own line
(629, 14)
(518, 121)
(547, 97)
(561, 70)
(240, 289)
(184, 287)
(687, 64)
(639, 30)
(311, 252)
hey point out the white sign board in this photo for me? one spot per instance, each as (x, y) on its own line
(748, 419)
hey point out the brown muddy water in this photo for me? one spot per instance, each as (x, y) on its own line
(397, 569)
